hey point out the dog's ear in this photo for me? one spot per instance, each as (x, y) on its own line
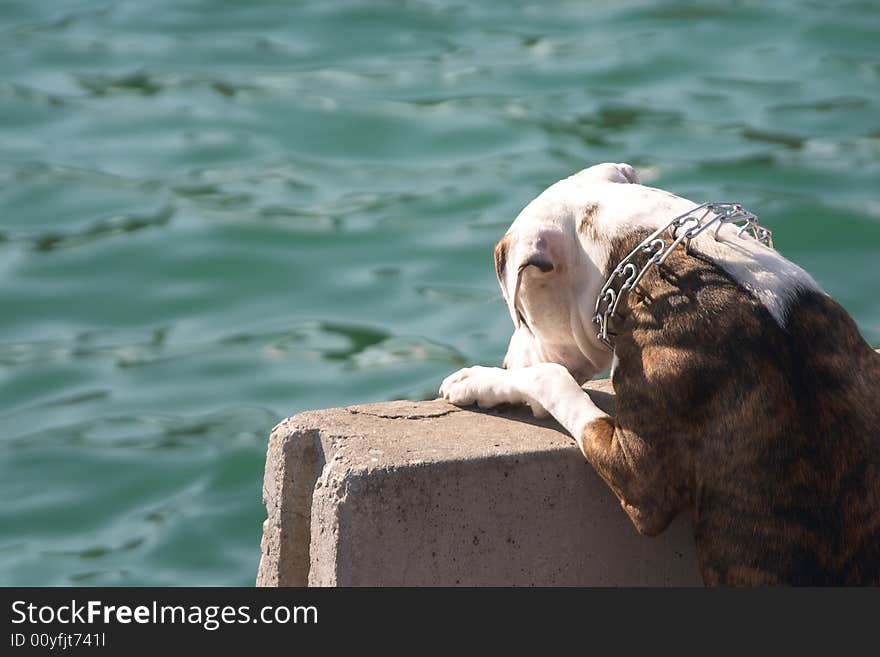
(612, 172)
(628, 173)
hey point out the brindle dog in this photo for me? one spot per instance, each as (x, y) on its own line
(756, 408)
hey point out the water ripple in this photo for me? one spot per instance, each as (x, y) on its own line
(154, 432)
(100, 229)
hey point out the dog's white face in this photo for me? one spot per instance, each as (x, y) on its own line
(551, 264)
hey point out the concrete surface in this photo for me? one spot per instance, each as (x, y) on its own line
(424, 493)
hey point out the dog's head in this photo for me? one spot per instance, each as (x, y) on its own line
(552, 263)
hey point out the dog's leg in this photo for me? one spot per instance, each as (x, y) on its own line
(635, 471)
(547, 388)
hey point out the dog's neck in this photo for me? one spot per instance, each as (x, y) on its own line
(610, 317)
(685, 279)
(625, 272)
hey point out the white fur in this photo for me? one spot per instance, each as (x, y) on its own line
(556, 348)
(558, 306)
(546, 388)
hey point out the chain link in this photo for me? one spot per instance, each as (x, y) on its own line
(626, 275)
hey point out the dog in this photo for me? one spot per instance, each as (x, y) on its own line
(744, 392)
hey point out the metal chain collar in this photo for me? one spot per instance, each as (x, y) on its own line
(626, 274)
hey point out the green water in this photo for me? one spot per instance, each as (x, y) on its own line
(215, 214)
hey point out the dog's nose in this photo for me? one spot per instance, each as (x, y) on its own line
(538, 260)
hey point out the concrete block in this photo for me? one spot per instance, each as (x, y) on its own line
(424, 493)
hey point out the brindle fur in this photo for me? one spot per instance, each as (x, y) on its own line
(585, 224)
(770, 435)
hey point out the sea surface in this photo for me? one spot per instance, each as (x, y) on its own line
(216, 214)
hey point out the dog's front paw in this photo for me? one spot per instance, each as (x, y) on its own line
(473, 385)
(486, 387)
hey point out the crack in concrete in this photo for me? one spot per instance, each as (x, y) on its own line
(398, 416)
